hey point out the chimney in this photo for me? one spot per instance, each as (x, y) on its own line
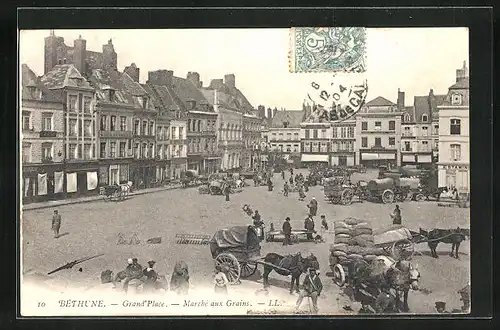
(261, 111)
(80, 50)
(216, 83)
(133, 71)
(432, 103)
(109, 56)
(269, 113)
(194, 77)
(230, 80)
(274, 112)
(401, 100)
(160, 77)
(462, 73)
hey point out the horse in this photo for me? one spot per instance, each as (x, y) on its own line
(446, 236)
(384, 274)
(239, 183)
(179, 281)
(293, 265)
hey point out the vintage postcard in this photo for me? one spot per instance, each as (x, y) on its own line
(310, 170)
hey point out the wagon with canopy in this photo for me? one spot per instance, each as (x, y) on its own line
(396, 240)
(387, 190)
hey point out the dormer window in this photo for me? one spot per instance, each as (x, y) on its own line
(425, 118)
(144, 102)
(407, 117)
(456, 99)
(285, 124)
(111, 95)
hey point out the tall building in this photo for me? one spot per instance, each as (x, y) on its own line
(80, 138)
(343, 142)
(251, 141)
(315, 136)
(285, 134)
(378, 127)
(418, 127)
(454, 160)
(115, 109)
(42, 131)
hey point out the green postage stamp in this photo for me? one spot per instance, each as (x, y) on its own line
(327, 49)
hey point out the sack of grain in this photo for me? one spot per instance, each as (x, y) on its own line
(361, 231)
(333, 259)
(365, 237)
(342, 230)
(342, 240)
(340, 224)
(342, 236)
(363, 224)
(352, 221)
(339, 253)
(360, 241)
(354, 256)
(354, 249)
(341, 260)
(369, 257)
(338, 247)
(374, 251)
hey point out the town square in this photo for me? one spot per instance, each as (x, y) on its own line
(148, 183)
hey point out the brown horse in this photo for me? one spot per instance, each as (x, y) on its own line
(446, 236)
(293, 265)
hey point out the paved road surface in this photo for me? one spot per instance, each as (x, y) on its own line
(93, 228)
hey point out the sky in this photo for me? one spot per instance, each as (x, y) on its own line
(414, 60)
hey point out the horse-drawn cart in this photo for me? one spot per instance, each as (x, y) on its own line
(396, 240)
(114, 192)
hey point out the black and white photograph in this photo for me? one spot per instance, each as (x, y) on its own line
(232, 172)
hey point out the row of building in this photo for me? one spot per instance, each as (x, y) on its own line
(85, 124)
(432, 131)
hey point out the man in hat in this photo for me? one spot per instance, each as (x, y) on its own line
(151, 276)
(287, 231)
(258, 224)
(133, 272)
(311, 287)
(56, 223)
(309, 226)
(227, 191)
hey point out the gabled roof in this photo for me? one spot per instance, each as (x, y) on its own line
(421, 107)
(223, 100)
(379, 101)
(64, 75)
(234, 97)
(292, 117)
(187, 91)
(161, 97)
(30, 79)
(461, 84)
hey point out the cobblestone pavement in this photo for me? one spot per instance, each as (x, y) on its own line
(93, 228)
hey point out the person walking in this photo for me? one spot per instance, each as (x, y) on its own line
(311, 287)
(269, 184)
(302, 194)
(283, 174)
(220, 281)
(287, 231)
(309, 226)
(396, 216)
(56, 223)
(313, 207)
(227, 191)
(291, 180)
(324, 225)
(285, 189)
(259, 225)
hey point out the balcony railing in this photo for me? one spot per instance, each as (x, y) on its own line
(47, 160)
(116, 134)
(406, 134)
(48, 134)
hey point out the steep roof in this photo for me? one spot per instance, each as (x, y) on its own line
(292, 117)
(187, 91)
(379, 101)
(30, 79)
(410, 112)
(224, 100)
(421, 107)
(235, 98)
(64, 75)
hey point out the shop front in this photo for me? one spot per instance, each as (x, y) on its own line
(313, 159)
(142, 172)
(114, 171)
(211, 165)
(42, 182)
(195, 162)
(162, 170)
(408, 159)
(81, 178)
(454, 176)
(343, 159)
(377, 159)
(177, 166)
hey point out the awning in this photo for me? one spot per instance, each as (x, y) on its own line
(408, 158)
(369, 156)
(315, 158)
(424, 158)
(386, 156)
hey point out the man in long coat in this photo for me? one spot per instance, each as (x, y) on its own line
(287, 231)
(309, 226)
(56, 223)
(313, 207)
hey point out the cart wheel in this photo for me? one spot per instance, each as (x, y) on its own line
(403, 250)
(213, 190)
(248, 269)
(294, 239)
(347, 197)
(388, 196)
(230, 266)
(339, 275)
(420, 197)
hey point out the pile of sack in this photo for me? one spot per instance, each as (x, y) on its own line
(353, 240)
